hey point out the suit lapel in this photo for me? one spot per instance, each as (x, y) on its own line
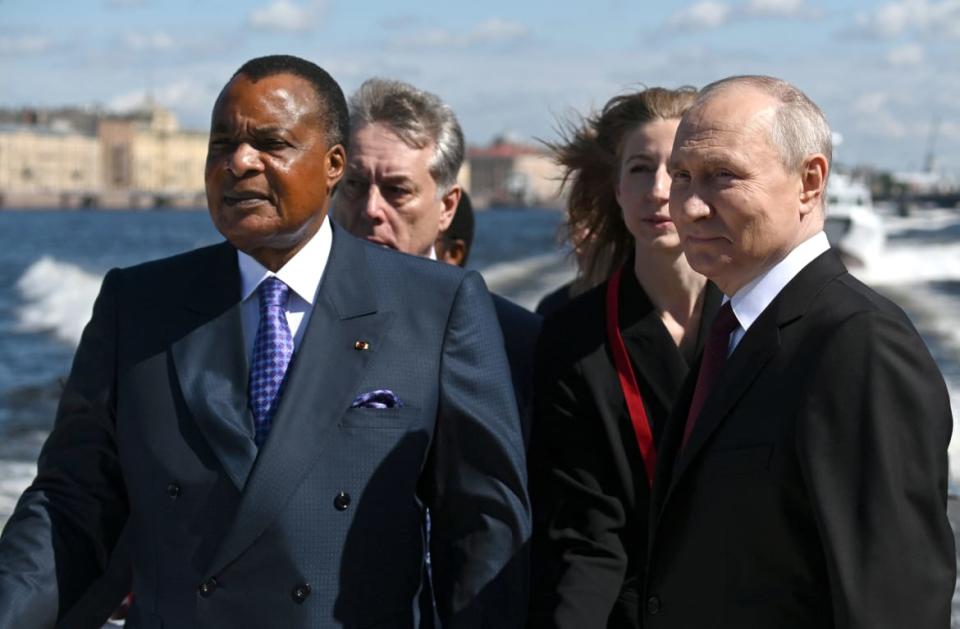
(755, 350)
(321, 384)
(211, 365)
(712, 300)
(651, 349)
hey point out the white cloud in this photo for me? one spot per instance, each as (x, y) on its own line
(710, 14)
(498, 30)
(492, 31)
(869, 103)
(883, 124)
(148, 42)
(912, 16)
(184, 95)
(286, 16)
(950, 130)
(908, 55)
(124, 4)
(702, 15)
(24, 44)
(872, 116)
(785, 8)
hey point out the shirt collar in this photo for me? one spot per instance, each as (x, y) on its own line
(751, 300)
(302, 273)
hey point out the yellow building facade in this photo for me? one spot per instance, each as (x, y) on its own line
(48, 160)
(133, 160)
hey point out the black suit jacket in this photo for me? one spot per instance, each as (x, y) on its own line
(812, 491)
(323, 525)
(555, 300)
(588, 481)
(521, 329)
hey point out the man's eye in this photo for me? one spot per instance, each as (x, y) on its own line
(396, 190)
(681, 176)
(220, 144)
(640, 168)
(272, 144)
(355, 185)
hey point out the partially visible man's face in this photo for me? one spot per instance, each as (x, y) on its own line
(389, 196)
(269, 171)
(736, 208)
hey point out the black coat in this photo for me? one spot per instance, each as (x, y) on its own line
(812, 490)
(588, 480)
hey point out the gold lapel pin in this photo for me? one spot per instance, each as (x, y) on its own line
(361, 345)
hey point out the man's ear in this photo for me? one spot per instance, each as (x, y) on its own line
(450, 201)
(813, 179)
(336, 163)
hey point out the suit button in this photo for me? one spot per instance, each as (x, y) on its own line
(300, 592)
(653, 605)
(341, 501)
(207, 587)
(173, 490)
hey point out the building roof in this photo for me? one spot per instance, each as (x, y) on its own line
(503, 150)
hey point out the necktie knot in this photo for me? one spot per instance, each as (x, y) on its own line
(726, 321)
(273, 293)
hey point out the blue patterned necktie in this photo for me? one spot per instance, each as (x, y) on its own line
(272, 351)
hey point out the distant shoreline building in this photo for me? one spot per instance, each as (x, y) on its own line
(72, 157)
(508, 173)
(47, 165)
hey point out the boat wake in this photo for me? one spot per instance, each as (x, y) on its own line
(57, 298)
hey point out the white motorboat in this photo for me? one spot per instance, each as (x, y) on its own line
(853, 226)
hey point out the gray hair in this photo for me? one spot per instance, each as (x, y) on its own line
(418, 118)
(798, 129)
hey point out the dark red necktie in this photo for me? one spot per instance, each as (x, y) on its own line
(714, 357)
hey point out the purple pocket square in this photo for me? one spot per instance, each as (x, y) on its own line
(379, 398)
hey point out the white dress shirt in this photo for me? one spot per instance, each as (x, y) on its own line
(751, 300)
(302, 273)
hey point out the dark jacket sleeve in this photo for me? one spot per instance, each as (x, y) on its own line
(479, 508)
(876, 467)
(60, 537)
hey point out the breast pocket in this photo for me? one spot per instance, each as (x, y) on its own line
(398, 418)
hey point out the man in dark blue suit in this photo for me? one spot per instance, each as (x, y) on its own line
(269, 418)
(401, 191)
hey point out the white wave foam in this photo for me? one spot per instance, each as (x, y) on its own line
(912, 264)
(14, 478)
(57, 297)
(520, 270)
(526, 281)
(924, 220)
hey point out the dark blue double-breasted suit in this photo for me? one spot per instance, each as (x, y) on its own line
(323, 525)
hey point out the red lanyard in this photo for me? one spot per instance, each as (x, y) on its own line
(628, 380)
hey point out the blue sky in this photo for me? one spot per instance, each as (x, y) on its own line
(882, 71)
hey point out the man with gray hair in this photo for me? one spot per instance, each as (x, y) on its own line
(802, 479)
(406, 148)
(401, 191)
